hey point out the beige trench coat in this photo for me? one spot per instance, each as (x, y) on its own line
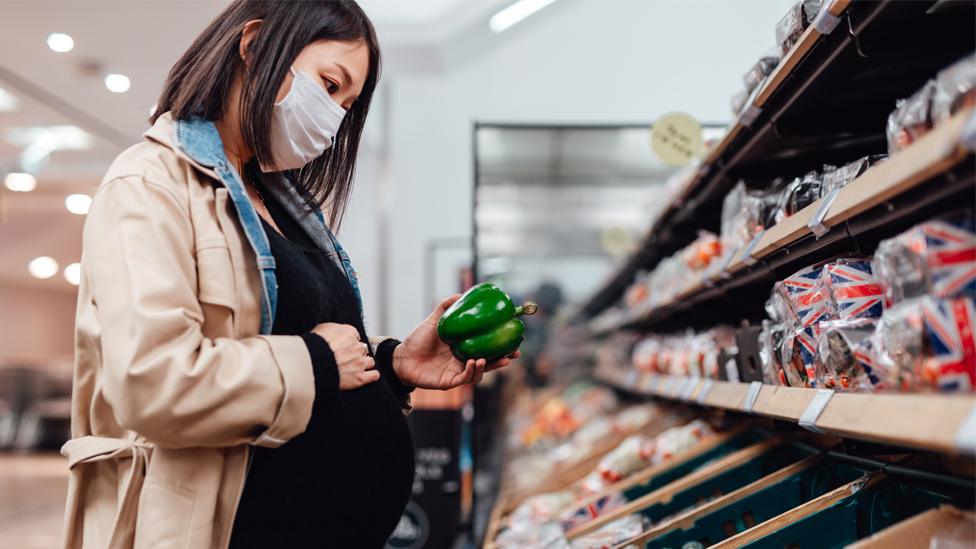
(172, 381)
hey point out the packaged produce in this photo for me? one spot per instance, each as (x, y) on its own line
(911, 119)
(852, 288)
(936, 257)
(634, 417)
(543, 536)
(622, 460)
(955, 89)
(837, 365)
(541, 508)
(738, 101)
(613, 533)
(484, 323)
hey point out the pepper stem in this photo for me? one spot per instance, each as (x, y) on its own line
(527, 308)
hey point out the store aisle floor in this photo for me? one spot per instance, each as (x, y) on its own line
(32, 494)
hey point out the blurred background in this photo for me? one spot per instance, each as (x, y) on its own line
(515, 148)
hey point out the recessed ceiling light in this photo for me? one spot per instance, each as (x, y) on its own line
(515, 13)
(117, 83)
(60, 42)
(20, 182)
(78, 203)
(43, 267)
(72, 273)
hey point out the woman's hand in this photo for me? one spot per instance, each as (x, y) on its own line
(351, 355)
(424, 361)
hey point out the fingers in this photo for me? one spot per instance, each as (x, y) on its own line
(350, 352)
(479, 371)
(368, 377)
(498, 364)
(446, 303)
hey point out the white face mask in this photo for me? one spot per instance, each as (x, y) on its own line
(303, 124)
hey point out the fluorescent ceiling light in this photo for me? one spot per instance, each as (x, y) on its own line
(72, 273)
(117, 83)
(8, 102)
(39, 142)
(515, 13)
(20, 182)
(60, 42)
(78, 203)
(43, 267)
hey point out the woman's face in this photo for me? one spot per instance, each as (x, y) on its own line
(340, 67)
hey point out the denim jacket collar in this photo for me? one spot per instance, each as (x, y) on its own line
(199, 140)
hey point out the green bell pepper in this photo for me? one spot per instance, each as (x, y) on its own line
(483, 324)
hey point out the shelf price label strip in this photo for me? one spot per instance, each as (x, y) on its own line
(816, 223)
(751, 396)
(808, 419)
(689, 387)
(747, 253)
(706, 388)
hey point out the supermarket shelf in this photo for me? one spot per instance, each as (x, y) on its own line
(826, 102)
(899, 419)
(929, 176)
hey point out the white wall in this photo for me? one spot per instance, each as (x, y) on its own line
(578, 61)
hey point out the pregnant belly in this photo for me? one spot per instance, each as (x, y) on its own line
(348, 477)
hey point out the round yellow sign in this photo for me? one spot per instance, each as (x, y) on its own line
(676, 139)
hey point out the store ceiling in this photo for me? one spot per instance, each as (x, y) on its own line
(140, 39)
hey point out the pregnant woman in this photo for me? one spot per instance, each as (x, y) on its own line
(225, 391)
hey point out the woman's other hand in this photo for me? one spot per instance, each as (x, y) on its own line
(424, 361)
(351, 355)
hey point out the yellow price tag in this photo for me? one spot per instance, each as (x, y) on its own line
(676, 139)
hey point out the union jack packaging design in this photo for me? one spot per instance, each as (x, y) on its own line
(950, 364)
(853, 289)
(936, 257)
(805, 296)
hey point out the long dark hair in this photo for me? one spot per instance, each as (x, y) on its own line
(199, 84)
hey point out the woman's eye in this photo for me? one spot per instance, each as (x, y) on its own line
(331, 86)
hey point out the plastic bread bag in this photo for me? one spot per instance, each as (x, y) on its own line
(901, 344)
(645, 354)
(759, 71)
(935, 257)
(634, 417)
(837, 366)
(772, 210)
(955, 89)
(581, 514)
(777, 306)
(702, 251)
(741, 218)
(911, 119)
(852, 288)
(840, 177)
(612, 534)
(738, 101)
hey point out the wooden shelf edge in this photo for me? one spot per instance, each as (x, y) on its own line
(900, 419)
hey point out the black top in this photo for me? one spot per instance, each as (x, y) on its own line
(345, 481)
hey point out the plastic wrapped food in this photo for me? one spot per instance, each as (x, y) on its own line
(543, 536)
(791, 26)
(800, 356)
(955, 89)
(840, 177)
(802, 192)
(738, 101)
(741, 218)
(770, 342)
(852, 288)
(583, 514)
(702, 251)
(622, 460)
(633, 418)
(613, 533)
(936, 257)
(838, 366)
(759, 71)
(542, 507)
(911, 119)
(806, 297)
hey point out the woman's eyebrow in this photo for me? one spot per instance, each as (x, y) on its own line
(345, 72)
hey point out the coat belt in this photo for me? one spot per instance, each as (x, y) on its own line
(90, 449)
